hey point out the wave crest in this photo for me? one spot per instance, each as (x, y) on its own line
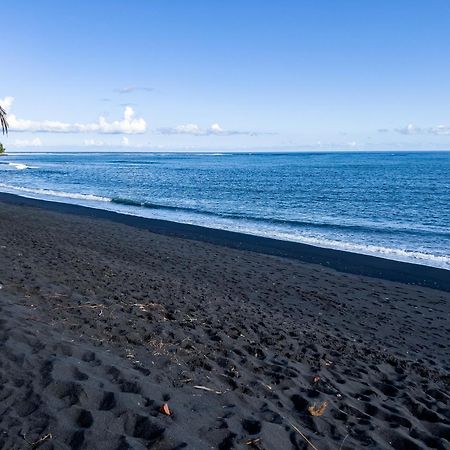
(51, 193)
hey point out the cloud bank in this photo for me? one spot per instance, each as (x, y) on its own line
(124, 142)
(410, 129)
(130, 89)
(129, 124)
(36, 142)
(440, 130)
(214, 130)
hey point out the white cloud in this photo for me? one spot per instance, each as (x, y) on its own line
(129, 89)
(214, 130)
(440, 130)
(129, 124)
(36, 142)
(6, 103)
(410, 129)
(124, 142)
(190, 128)
(94, 143)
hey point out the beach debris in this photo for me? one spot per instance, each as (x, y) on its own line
(185, 380)
(267, 386)
(253, 442)
(343, 442)
(204, 388)
(36, 444)
(165, 410)
(189, 318)
(145, 307)
(316, 379)
(303, 436)
(318, 411)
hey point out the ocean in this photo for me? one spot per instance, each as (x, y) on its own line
(388, 204)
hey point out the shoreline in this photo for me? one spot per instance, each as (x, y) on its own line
(342, 261)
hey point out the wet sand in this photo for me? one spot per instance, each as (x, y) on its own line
(103, 320)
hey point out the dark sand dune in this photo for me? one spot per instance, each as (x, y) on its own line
(102, 323)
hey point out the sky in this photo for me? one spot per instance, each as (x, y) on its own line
(226, 75)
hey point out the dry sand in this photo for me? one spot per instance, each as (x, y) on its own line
(101, 323)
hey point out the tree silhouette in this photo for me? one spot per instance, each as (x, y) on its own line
(3, 120)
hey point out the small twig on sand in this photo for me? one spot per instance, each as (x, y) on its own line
(93, 306)
(204, 388)
(39, 442)
(186, 380)
(253, 442)
(303, 436)
(342, 444)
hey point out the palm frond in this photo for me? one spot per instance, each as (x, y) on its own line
(3, 121)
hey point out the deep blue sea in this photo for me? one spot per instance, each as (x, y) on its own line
(394, 205)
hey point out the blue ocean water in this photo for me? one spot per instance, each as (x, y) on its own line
(394, 205)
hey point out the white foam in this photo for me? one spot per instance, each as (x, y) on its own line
(374, 250)
(396, 254)
(19, 166)
(52, 193)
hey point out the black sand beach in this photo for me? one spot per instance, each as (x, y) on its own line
(105, 318)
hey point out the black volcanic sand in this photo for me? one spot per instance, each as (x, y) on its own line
(102, 323)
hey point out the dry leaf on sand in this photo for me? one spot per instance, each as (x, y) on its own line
(166, 410)
(318, 411)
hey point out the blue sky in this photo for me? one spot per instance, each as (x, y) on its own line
(226, 75)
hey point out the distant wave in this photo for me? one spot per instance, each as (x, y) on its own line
(18, 166)
(133, 163)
